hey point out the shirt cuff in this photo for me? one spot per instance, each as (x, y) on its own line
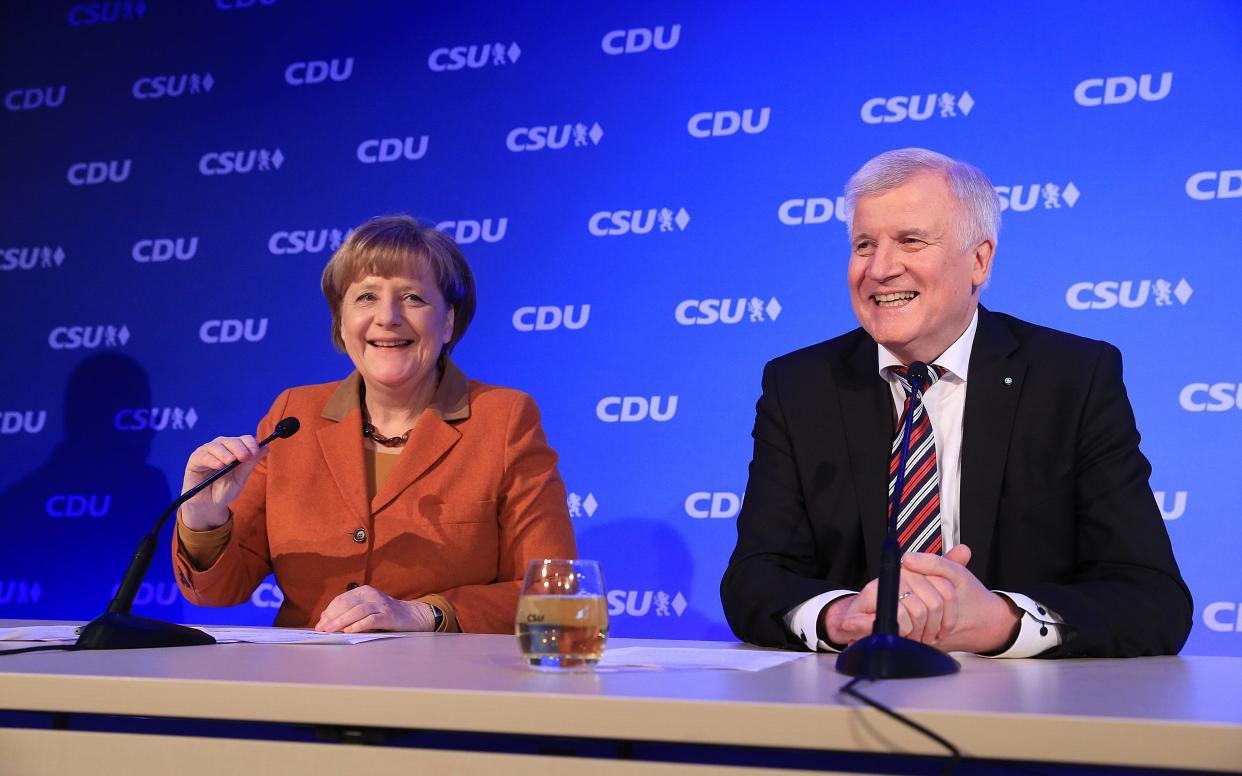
(449, 624)
(1038, 631)
(803, 620)
(202, 548)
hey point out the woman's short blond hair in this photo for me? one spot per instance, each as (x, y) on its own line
(394, 246)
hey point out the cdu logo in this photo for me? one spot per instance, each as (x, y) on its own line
(640, 39)
(74, 337)
(305, 241)
(812, 210)
(581, 505)
(240, 162)
(1217, 397)
(154, 419)
(1219, 616)
(392, 149)
(91, 173)
(553, 138)
(1171, 512)
(78, 505)
(467, 231)
(154, 87)
(19, 422)
(547, 318)
(631, 409)
(316, 71)
(1121, 89)
(155, 251)
(721, 504)
(1020, 199)
(1223, 184)
(41, 257)
(20, 592)
(87, 14)
(704, 312)
(237, 5)
(609, 223)
(232, 330)
(723, 123)
(638, 603)
(474, 57)
(33, 99)
(153, 594)
(918, 107)
(267, 596)
(1126, 293)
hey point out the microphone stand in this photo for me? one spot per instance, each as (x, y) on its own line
(118, 628)
(884, 654)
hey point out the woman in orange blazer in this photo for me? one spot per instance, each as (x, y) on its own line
(412, 498)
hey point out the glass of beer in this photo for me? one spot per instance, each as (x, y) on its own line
(562, 617)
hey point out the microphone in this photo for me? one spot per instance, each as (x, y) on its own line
(117, 628)
(884, 654)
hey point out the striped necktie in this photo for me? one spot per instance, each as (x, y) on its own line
(918, 523)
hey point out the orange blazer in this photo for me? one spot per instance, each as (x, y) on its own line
(474, 495)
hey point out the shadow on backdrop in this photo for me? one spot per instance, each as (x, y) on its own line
(82, 512)
(649, 572)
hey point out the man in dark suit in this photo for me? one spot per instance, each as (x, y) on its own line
(1041, 534)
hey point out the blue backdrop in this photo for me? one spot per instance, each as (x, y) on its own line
(649, 195)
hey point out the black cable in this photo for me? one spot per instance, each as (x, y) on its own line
(40, 648)
(955, 756)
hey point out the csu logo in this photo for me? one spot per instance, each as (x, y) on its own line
(553, 138)
(1179, 504)
(609, 223)
(1228, 185)
(579, 505)
(232, 330)
(78, 505)
(1221, 616)
(33, 99)
(44, 256)
(19, 591)
(919, 107)
(812, 210)
(631, 409)
(154, 87)
(154, 419)
(90, 173)
(1110, 293)
(267, 596)
(316, 71)
(549, 318)
(640, 39)
(466, 232)
(74, 337)
(720, 504)
(723, 123)
(1023, 198)
(637, 603)
(164, 248)
(1119, 89)
(461, 57)
(236, 5)
(391, 149)
(86, 14)
(305, 241)
(704, 312)
(1217, 397)
(241, 162)
(19, 422)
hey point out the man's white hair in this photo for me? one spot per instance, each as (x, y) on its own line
(968, 183)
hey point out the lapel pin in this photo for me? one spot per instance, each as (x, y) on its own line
(1008, 381)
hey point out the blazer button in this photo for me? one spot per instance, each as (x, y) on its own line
(351, 586)
(360, 535)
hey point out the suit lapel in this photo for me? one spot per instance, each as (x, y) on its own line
(987, 426)
(867, 414)
(341, 444)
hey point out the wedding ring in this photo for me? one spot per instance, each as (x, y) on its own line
(903, 595)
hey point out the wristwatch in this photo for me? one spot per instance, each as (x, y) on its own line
(438, 615)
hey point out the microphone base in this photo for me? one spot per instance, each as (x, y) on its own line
(129, 631)
(885, 656)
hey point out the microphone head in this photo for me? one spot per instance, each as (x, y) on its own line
(918, 371)
(287, 427)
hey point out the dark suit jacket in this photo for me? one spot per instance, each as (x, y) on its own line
(1055, 501)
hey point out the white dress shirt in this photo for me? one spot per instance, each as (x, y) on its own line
(945, 404)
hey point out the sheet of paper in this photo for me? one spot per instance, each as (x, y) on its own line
(223, 635)
(688, 657)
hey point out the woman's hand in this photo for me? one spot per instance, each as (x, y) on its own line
(367, 609)
(209, 509)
